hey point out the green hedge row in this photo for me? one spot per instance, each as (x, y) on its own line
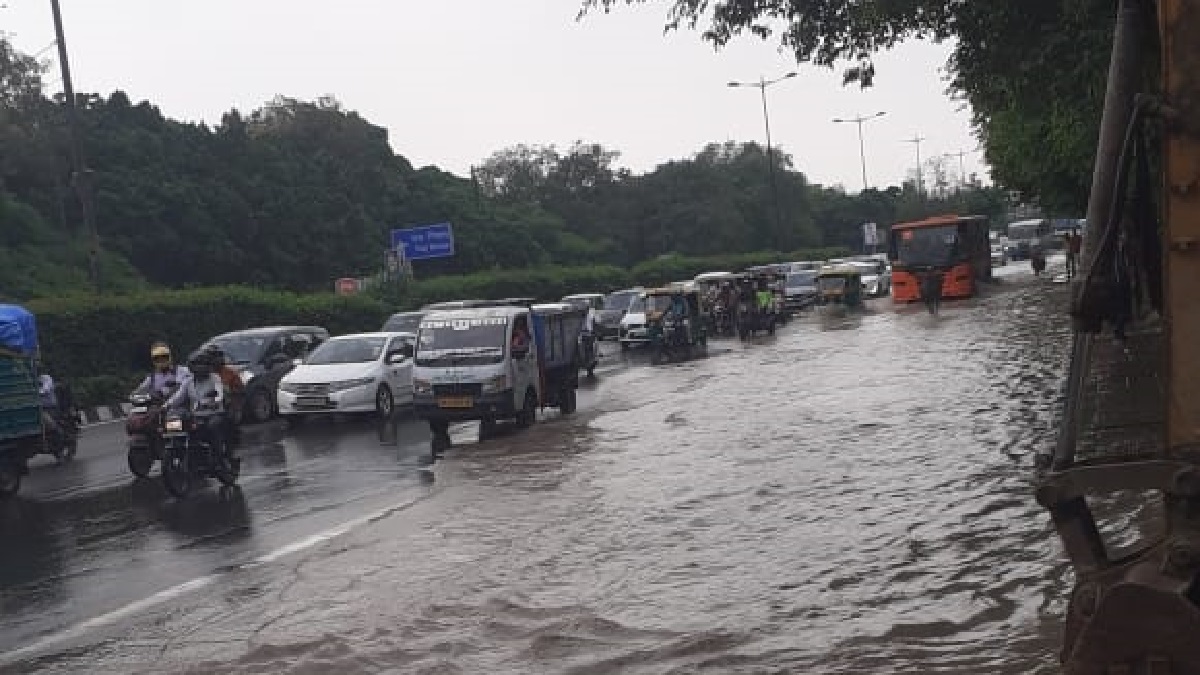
(101, 344)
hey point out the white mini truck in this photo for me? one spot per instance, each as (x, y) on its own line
(496, 362)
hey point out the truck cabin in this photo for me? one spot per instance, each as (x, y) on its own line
(479, 336)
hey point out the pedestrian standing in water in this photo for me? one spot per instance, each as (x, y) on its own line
(1074, 247)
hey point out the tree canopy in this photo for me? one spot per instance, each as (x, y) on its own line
(1033, 71)
(297, 193)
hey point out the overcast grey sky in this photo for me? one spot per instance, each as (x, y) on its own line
(455, 80)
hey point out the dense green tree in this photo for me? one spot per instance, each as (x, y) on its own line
(297, 193)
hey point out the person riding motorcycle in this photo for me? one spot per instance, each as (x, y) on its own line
(203, 390)
(166, 377)
(235, 389)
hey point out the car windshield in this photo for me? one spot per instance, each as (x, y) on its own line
(801, 279)
(934, 246)
(637, 305)
(243, 349)
(619, 301)
(347, 350)
(831, 283)
(403, 323)
(475, 341)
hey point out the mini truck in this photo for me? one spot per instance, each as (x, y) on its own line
(494, 363)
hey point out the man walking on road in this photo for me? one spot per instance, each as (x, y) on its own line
(1074, 246)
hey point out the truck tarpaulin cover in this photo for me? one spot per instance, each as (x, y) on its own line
(18, 330)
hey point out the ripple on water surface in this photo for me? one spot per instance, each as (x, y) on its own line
(851, 496)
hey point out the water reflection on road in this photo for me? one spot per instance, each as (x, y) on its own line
(851, 495)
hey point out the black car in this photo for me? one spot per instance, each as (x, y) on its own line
(262, 356)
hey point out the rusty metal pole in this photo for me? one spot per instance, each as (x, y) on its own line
(1180, 28)
(1124, 73)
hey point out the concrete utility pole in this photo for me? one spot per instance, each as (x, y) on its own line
(762, 85)
(917, 140)
(862, 148)
(80, 174)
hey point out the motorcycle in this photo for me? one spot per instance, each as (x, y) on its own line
(62, 444)
(143, 427)
(194, 447)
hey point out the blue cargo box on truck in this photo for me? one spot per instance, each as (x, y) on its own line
(20, 409)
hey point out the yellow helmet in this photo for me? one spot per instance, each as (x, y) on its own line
(160, 351)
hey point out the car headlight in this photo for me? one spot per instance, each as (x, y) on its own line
(174, 425)
(422, 387)
(245, 376)
(495, 384)
(351, 384)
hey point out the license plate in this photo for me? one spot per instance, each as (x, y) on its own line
(455, 402)
(312, 402)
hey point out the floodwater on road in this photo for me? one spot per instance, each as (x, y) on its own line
(852, 495)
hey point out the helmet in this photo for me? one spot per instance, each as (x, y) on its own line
(200, 363)
(216, 355)
(160, 355)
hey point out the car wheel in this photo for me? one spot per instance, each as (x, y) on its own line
(261, 408)
(385, 405)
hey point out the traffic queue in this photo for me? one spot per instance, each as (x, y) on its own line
(485, 361)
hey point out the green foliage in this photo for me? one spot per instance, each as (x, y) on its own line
(101, 344)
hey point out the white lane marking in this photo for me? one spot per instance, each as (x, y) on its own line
(138, 606)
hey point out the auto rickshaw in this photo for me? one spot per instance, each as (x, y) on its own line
(676, 325)
(776, 281)
(719, 295)
(841, 284)
(754, 316)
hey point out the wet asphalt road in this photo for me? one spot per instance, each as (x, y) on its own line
(852, 495)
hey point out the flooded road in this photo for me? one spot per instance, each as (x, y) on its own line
(852, 495)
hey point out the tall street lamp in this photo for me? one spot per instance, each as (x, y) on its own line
(862, 148)
(917, 141)
(762, 85)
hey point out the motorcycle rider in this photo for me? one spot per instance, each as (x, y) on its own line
(166, 376)
(235, 389)
(203, 390)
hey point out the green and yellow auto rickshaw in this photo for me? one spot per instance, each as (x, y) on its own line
(840, 285)
(676, 326)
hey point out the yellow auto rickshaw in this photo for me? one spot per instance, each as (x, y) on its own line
(840, 285)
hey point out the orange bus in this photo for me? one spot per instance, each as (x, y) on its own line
(955, 246)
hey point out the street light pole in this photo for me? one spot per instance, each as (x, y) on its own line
(762, 85)
(862, 148)
(917, 140)
(80, 175)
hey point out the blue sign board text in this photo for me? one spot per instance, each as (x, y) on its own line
(425, 242)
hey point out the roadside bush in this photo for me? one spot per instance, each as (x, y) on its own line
(101, 344)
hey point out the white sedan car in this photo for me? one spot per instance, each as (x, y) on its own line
(368, 372)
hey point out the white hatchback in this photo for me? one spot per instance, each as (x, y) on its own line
(367, 372)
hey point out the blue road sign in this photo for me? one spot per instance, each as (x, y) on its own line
(425, 242)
